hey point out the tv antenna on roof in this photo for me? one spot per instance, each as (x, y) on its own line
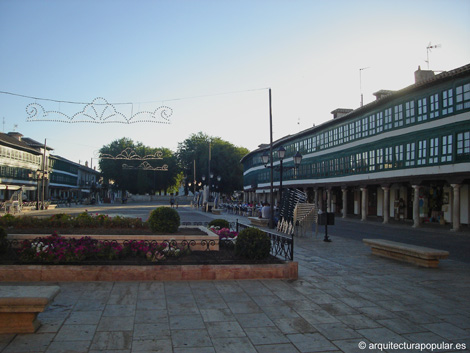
(360, 83)
(428, 50)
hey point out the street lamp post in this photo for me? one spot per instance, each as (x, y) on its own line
(36, 176)
(281, 153)
(219, 178)
(43, 176)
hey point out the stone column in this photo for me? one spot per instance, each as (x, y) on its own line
(315, 197)
(456, 208)
(416, 221)
(363, 204)
(386, 190)
(345, 201)
(328, 200)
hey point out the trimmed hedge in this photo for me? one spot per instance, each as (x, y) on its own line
(253, 244)
(3, 240)
(164, 219)
(221, 223)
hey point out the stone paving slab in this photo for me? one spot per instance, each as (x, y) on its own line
(344, 296)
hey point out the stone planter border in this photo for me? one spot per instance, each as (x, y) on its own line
(87, 273)
(202, 242)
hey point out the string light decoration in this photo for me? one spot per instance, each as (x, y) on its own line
(130, 154)
(145, 166)
(99, 111)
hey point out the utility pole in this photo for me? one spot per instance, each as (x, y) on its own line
(271, 221)
(194, 179)
(43, 173)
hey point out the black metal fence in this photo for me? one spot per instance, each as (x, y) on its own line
(282, 246)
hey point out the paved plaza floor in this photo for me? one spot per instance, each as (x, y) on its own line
(345, 300)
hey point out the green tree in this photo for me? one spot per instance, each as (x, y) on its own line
(193, 155)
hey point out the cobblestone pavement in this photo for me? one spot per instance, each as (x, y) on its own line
(344, 299)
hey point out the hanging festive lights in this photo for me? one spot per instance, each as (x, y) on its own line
(130, 154)
(146, 166)
(99, 111)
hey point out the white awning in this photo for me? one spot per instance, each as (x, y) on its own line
(29, 188)
(9, 187)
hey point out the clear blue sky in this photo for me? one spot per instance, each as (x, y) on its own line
(210, 62)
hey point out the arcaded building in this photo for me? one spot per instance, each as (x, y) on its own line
(404, 156)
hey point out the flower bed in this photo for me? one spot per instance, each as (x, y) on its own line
(226, 235)
(112, 257)
(66, 221)
(198, 265)
(57, 249)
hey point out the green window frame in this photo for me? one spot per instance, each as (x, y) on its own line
(372, 124)
(462, 96)
(422, 152)
(447, 148)
(351, 132)
(388, 119)
(346, 133)
(410, 154)
(433, 150)
(422, 109)
(371, 160)
(434, 106)
(399, 156)
(380, 122)
(358, 129)
(463, 143)
(365, 127)
(410, 112)
(379, 158)
(447, 102)
(398, 115)
(388, 157)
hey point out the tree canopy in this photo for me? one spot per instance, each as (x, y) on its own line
(193, 156)
(131, 166)
(121, 161)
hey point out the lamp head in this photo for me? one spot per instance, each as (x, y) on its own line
(265, 157)
(297, 159)
(281, 153)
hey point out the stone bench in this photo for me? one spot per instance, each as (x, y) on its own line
(260, 222)
(217, 211)
(414, 254)
(20, 306)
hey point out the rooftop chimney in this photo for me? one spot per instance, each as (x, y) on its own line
(338, 113)
(423, 75)
(382, 93)
(15, 135)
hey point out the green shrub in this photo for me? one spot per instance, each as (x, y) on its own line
(24, 221)
(253, 244)
(3, 240)
(164, 219)
(84, 220)
(221, 223)
(7, 220)
(60, 220)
